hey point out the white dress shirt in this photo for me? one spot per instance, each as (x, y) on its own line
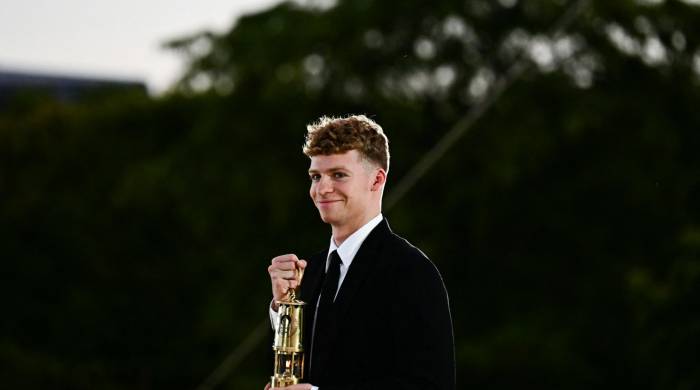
(347, 251)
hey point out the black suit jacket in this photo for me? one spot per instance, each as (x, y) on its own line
(392, 328)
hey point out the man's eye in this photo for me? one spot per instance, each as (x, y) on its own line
(339, 175)
(314, 177)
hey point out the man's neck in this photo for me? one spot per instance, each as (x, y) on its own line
(341, 233)
(339, 238)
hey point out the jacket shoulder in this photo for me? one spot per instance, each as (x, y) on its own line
(409, 259)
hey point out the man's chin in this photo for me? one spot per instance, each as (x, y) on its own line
(327, 218)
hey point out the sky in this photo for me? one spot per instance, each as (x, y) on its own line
(109, 39)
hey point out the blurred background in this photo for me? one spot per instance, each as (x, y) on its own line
(139, 207)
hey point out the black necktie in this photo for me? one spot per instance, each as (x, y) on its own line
(330, 282)
(324, 314)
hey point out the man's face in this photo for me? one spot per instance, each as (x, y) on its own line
(341, 188)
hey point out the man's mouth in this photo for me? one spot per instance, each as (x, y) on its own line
(328, 201)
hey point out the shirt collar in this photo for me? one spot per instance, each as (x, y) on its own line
(348, 249)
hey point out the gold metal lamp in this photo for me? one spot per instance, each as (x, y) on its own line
(288, 348)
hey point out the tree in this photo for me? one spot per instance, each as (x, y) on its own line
(564, 222)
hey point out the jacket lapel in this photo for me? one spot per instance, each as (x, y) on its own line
(364, 262)
(362, 265)
(310, 288)
(313, 275)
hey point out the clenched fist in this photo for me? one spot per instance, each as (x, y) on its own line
(283, 275)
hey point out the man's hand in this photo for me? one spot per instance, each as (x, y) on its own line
(283, 275)
(300, 386)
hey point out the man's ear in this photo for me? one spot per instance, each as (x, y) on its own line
(379, 179)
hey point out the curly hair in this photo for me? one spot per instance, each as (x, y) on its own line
(331, 135)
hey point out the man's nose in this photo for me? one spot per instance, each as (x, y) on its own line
(325, 185)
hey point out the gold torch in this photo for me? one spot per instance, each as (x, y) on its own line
(288, 349)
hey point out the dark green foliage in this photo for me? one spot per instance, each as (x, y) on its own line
(136, 232)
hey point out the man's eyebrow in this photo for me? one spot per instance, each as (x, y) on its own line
(332, 169)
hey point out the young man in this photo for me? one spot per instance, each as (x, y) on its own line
(377, 314)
